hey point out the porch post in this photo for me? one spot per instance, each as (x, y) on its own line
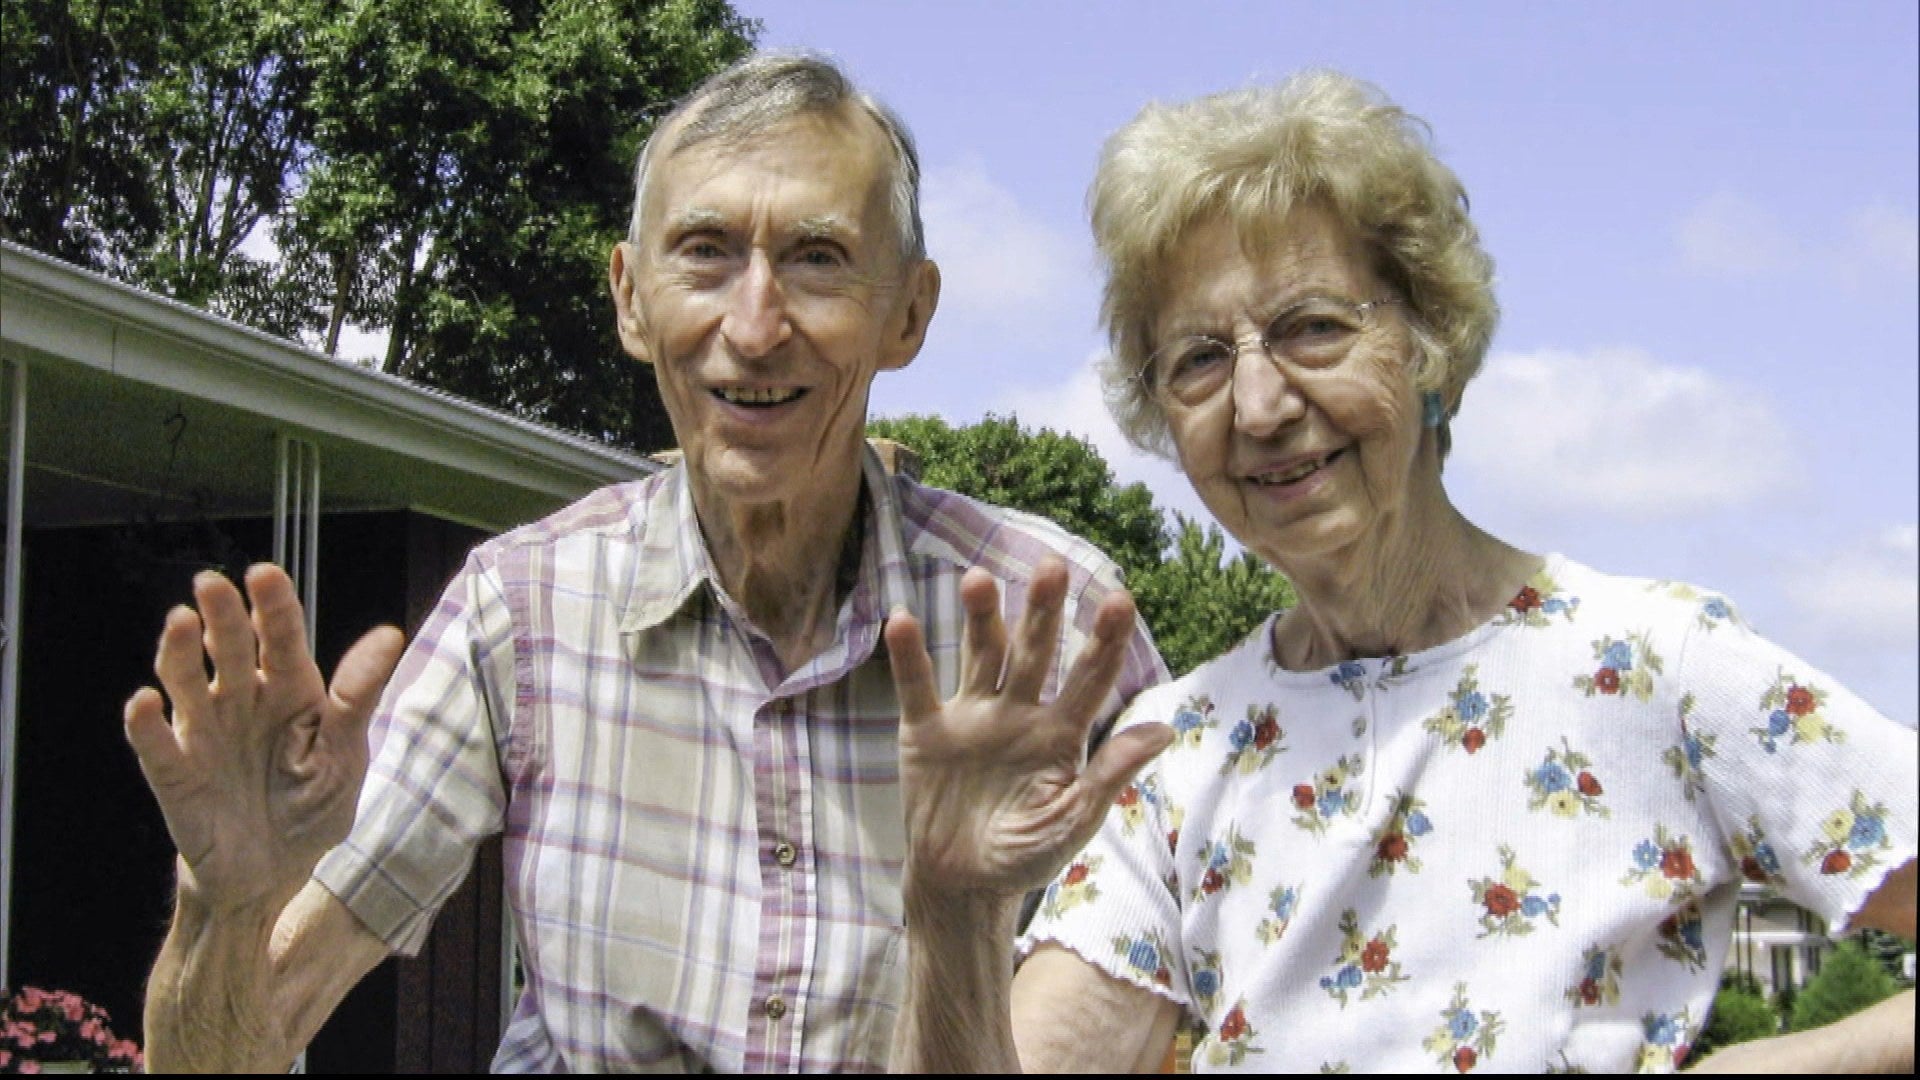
(10, 644)
(296, 520)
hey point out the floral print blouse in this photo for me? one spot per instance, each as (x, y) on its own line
(1516, 851)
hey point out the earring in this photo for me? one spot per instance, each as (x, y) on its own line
(1431, 411)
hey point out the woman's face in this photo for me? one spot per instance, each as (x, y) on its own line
(1306, 447)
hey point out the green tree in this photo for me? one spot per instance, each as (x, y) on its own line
(479, 172)
(1195, 600)
(1740, 1014)
(148, 140)
(452, 170)
(1059, 477)
(1849, 980)
(1890, 949)
(1200, 603)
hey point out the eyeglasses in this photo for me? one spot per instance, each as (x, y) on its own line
(1316, 333)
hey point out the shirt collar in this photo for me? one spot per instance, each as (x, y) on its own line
(674, 561)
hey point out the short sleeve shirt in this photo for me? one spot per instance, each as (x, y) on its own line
(702, 853)
(1516, 851)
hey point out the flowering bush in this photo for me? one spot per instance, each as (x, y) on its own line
(44, 1026)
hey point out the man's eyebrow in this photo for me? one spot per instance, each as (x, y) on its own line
(826, 227)
(697, 220)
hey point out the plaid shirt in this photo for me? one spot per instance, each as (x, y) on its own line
(703, 857)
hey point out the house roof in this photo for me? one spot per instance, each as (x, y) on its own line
(133, 396)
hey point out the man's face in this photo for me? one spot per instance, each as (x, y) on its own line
(767, 289)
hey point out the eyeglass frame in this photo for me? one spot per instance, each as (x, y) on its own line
(1143, 375)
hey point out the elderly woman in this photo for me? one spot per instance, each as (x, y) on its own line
(1464, 806)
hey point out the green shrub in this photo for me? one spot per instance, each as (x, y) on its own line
(1849, 980)
(1739, 1014)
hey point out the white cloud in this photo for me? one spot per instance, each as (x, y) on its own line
(1865, 596)
(998, 262)
(1732, 235)
(1076, 407)
(1615, 432)
(1880, 241)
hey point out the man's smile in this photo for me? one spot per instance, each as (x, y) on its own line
(760, 397)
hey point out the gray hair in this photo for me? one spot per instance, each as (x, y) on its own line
(766, 88)
(1252, 156)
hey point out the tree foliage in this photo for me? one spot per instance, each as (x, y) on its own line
(1195, 600)
(454, 171)
(1059, 477)
(1849, 980)
(1890, 950)
(1200, 603)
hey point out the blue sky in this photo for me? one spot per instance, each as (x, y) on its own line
(1704, 220)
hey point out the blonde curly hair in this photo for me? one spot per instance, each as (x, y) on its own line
(1255, 154)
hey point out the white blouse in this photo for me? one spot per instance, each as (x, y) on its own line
(1519, 850)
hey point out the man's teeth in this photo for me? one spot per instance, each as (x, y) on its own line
(1294, 475)
(737, 396)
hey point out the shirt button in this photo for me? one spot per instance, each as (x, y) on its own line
(776, 1007)
(784, 854)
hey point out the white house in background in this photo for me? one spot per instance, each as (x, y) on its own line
(142, 441)
(1776, 941)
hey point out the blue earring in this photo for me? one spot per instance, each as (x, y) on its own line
(1431, 412)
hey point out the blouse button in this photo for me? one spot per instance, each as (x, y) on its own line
(784, 854)
(776, 1007)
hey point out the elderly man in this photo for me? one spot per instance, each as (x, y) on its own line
(669, 696)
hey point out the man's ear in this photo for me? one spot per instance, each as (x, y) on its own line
(629, 320)
(921, 295)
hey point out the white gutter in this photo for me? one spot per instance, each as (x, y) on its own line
(302, 386)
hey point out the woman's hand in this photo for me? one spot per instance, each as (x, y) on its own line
(996, 797)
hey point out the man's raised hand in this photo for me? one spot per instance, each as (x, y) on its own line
(259, 771)
(996, 797)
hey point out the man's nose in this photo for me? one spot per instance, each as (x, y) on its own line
(756, 320)
(1265, 399)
